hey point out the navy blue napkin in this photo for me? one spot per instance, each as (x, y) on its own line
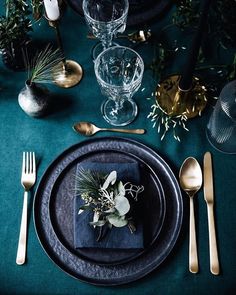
(85, 235)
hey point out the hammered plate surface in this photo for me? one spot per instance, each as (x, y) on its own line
(56, 240)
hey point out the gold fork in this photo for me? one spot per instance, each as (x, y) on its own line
(28, 178)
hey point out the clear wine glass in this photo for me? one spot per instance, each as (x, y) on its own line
(106, 18)
(119, 72)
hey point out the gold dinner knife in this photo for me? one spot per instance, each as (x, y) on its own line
(209, 198)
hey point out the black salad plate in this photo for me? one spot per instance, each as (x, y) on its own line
(140, 11)
(162, 218)
(61, 210)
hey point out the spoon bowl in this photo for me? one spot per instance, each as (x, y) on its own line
(190, 177)
(88, 129)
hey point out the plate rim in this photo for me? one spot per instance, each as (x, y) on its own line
(177, 227)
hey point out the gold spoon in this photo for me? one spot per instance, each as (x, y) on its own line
(190, 177)
(88, 129)
(139, 36)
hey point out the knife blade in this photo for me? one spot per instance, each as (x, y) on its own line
(208, 179)
(209, 198)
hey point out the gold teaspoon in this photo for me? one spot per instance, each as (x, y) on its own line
(139, 36)
(190, 177)
(88, 129)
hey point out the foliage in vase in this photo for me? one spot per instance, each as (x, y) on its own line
(44, 66)
(15, 24)
(37, 8)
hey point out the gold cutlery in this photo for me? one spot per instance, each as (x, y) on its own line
(88, 129)
(139, 36)
(190, 176)
(28, 178)
(209, 198)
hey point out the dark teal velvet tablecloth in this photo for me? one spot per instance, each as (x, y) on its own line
(49, 136)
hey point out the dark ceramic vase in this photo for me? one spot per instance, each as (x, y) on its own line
(13, 55)
(34, 99)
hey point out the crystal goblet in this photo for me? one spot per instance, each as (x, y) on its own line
(119, 72)
(106, 18)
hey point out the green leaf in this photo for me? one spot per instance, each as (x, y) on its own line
(111, 179)
(112, 210)
(122, 205)
(118, 221)
(95, 217)
(121, 189)
(97, 223)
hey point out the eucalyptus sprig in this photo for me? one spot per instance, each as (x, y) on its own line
(106, 197)
(44, 66)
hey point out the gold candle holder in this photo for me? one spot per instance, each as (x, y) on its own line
(184, 94)
(71, 72)
(175, 102)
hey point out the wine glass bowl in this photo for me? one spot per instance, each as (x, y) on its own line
(119, 72)
(105, 18)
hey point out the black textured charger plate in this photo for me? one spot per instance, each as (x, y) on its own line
(53, 213)
(140, 11)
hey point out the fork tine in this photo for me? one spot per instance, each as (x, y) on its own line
(23, 163)
(30, 162)
(34, 163)
(27, 163)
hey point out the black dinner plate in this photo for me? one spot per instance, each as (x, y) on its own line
(140, 11)
(61, 207)
(53, 213)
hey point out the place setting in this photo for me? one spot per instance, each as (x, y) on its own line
(108, 210)
(121, 256)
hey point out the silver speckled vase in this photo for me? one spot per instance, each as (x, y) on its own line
(34, 99)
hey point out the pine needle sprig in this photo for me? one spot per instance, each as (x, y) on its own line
(88, 181)
(44, 65)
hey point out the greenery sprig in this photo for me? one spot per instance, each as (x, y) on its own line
(37, 8)
(15, 24)
(222, 24)
(165, 122)
(44, 66)
(106, 197)
(221, 30)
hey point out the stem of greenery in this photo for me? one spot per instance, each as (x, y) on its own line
(7, 3)
(210, 66)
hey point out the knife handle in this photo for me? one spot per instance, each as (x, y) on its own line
(214, 261)
(193, 258)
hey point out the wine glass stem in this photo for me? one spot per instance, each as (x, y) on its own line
(107, 42)
(119, 104)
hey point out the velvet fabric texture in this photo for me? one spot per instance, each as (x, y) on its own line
(50, 136)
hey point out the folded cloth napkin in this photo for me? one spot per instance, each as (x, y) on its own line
(85, 235)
